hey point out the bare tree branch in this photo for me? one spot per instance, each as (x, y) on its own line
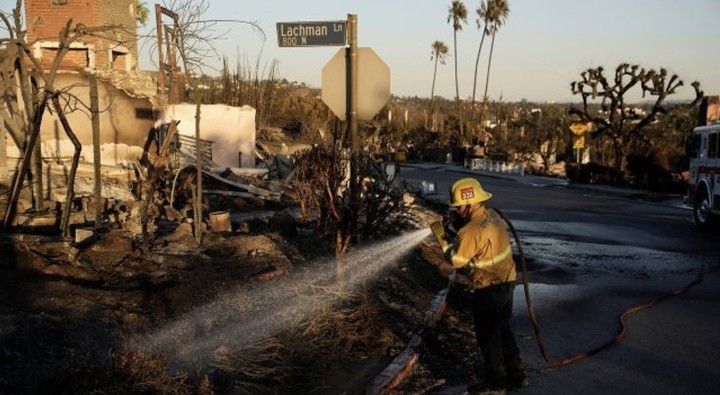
(617, 119)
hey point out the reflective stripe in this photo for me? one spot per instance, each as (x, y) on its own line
(490, 261)
(456, 260)
(450, 252)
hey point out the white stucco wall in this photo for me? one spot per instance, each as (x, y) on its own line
(125, 123)
(231, 129)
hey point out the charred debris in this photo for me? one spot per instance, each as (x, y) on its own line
(152, 198)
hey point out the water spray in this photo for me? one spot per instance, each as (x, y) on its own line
(257, 311)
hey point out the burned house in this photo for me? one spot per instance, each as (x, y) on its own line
(117, 51)
(113, 110)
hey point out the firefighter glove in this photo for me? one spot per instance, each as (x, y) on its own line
(438, 230)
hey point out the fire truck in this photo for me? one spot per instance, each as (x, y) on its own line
(703, 153)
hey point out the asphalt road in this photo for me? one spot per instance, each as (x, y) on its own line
(593, 253)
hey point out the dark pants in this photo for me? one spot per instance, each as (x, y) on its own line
(492, 310)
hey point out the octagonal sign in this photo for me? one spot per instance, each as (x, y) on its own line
(373, 83)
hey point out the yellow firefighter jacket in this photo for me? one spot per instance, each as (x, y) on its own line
(483, 246)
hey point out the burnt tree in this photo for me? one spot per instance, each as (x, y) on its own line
(28, 89)
(617, 120)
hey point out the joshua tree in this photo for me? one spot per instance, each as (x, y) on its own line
(497, 12)
(458, 15)
(439, 54)
(617, 120)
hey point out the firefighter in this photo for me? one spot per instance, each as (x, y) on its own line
(482, 247)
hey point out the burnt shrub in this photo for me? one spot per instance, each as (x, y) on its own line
(644, 172)
(424, 145)
(595, 173)
(572, 171)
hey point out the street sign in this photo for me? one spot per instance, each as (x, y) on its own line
(373, 83)
(579, 142)
(579, 128)
(311, 34)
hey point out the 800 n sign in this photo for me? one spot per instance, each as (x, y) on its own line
(310, 34)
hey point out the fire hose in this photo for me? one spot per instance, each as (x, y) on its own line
(630, 311)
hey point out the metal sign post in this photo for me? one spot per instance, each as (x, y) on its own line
(352, 84)
(579, 129)
(341, 86)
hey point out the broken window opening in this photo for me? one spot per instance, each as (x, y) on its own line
(118, 60)
(75, 57)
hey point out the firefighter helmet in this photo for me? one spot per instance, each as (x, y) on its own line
(467, 191)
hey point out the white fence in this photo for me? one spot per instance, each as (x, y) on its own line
(494, 166)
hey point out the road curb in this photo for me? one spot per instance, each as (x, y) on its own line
(402, 365)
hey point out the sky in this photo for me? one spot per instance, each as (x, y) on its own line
(543, 46)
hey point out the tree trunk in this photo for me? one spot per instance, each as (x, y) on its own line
(199, 166)
(37, 174)
(432, 89)
(477, 66)
(65, 223)
(432, 92)
(619, 155)
(3, 156)
(457, 89)
(487, 82)
(95, 121)
(25, 162)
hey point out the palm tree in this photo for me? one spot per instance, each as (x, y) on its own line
(439, 54)
(482, 13)
(142, 13)
(498, 10)
(458, 15)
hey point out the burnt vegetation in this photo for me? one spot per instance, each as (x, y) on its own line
(70, 306)
(133, 288)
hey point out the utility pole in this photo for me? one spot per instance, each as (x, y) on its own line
(161, 56)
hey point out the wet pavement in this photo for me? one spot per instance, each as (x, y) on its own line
(585, 274)
(441, 194)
